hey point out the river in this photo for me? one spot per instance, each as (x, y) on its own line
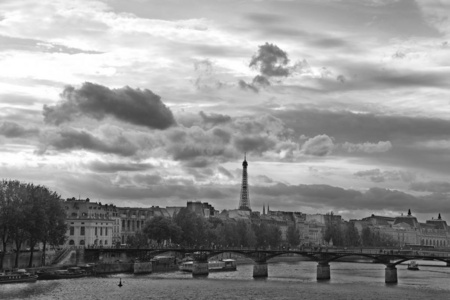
(293, 280)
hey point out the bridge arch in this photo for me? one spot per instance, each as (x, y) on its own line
(256, 255)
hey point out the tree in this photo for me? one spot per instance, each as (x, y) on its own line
(352, 238)
(6, 216)
(160, 228)
(19, 197)
(192, 228)
(333, 230)
(274, 236)
(366, 237)
(54, 223)
(30, 212)
(293, 236)
(140, 239)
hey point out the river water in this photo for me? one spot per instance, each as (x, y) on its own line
(293, 280)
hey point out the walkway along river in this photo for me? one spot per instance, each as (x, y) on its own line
(295, 280)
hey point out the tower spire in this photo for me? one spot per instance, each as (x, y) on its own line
(244, 202)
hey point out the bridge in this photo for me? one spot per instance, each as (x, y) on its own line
(389, 257)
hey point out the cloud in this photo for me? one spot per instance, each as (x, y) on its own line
(225, 172)
(206, 77)
(356, 127)
(376, 175)
(271, 61)
(247, 86)
(368, 147)
(320, 145)
(114, 167)
(14, 130)
(135, 106)
(214, 119)
(25, 44)
(69, 139)
(328, 197)
(254, 143)
(431, 186)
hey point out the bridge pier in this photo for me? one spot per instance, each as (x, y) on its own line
(200, 268)
(323, 271)
(390, 274)
(260, 270)
(448, 263)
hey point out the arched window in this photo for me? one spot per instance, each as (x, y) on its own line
(74, 214)
(71, 242)
(101, 242)
(82, 243)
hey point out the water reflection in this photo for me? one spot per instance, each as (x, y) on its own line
(285, 281)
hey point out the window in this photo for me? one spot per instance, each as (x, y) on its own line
(72, 230)
(82, 230)
(101, 230)
(82, 243)
(106, 231)
(71, 242)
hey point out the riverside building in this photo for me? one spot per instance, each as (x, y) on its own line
(90, 224)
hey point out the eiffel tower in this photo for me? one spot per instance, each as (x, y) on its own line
(244, 202)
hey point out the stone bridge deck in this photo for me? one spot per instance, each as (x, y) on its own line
(389, 257)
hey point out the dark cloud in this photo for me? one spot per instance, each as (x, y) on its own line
(254, 143)
(69, 139)
(326, 197)
(148, 179)
(362, 127)
(247, 86)
(222, 134)
(14, 130)
(265, 18)
(271, 61)
(319, 145)
(191, 151)
(214, 119)
(431, 186)
(341, 78)
(136, 106)
(225, 172)
(260, 81)
(110, 167)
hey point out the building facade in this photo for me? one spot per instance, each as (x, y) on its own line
(90, 224)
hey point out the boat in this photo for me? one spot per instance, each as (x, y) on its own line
(73, 272)
(413, 266)
(18, 276)
(213, 266)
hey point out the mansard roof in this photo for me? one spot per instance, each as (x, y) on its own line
(410, 220)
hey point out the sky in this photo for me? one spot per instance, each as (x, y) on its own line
(340, 106)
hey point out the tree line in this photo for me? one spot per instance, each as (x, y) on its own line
(187, 229)
(346, 235)
(30, 213)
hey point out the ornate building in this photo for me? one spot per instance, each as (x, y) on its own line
(89, 223)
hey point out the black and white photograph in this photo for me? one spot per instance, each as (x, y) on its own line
(224, 149)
